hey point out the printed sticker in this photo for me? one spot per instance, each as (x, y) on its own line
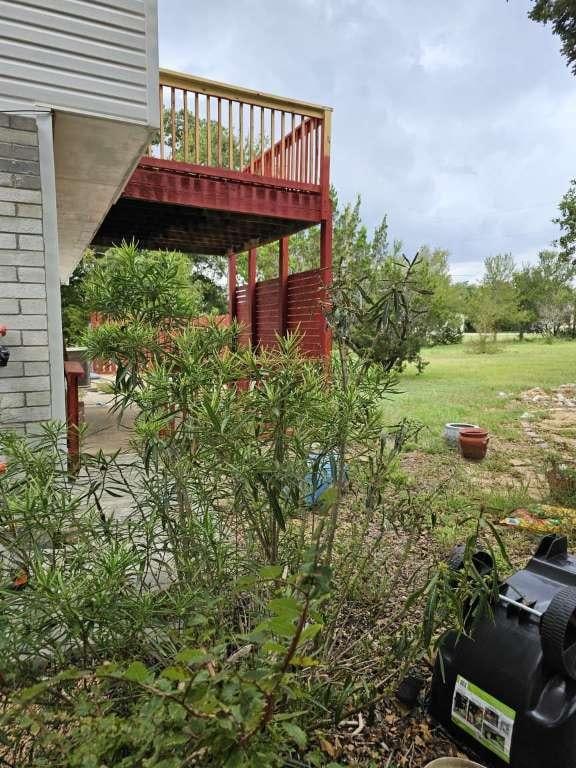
(485, 718)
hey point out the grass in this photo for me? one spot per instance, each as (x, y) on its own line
(461, 385)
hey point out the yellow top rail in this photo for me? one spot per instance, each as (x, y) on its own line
(236, 93)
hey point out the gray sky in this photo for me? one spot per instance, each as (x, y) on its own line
(457, 118)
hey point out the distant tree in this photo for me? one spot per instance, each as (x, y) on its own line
(567, 223)
(561, 14)
(217, 140)
(75, 312)
(351, 244)
(495, 304)
(498, 269)
(530, 289)
(556, 306)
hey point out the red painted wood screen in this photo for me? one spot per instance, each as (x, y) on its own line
(243, 314)
(267, 313)
(305, 301)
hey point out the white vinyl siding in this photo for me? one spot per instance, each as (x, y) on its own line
(98, 57)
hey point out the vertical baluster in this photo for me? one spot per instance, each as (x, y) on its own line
(282, 146)
(208, 133)
(316, 151)
(307, 152)
(173, 120)
(293, 149)
(230, 136)
(251, 138)
(297, 154)
(196, 129)
(262, 141)
(301, 176)
(162, 122)
(185, 97)
(288, 150)
(219, 132)
(272, 143)
(241, 142)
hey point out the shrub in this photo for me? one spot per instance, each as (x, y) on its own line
(241, 584)
(448, 334)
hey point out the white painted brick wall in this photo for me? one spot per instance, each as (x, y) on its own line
(25, 381)
(36, 369)
(21, 258)
(33, 306)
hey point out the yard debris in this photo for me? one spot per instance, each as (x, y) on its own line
(544, 519)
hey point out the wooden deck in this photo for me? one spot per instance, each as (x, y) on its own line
(233, 169)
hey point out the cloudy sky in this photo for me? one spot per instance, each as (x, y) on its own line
(456, 118)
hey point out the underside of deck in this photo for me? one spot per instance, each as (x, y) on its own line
(177, 206)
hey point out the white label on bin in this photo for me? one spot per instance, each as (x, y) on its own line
(482, 716)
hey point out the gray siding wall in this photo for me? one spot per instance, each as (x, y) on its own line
(25, 383)
(99, 57)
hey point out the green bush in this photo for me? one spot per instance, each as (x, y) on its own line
(228, 594)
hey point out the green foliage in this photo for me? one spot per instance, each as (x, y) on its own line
(567, 224)
(224, 596)
(366, 267)
(132, 285)
(546, 294)
(75, 311)
(495, 303)
(386, 307)
(561, 14)
(204, 705)
(80, 298)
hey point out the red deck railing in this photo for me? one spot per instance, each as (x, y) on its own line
(214, 125)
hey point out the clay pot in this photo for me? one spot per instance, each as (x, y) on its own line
(452, 762)
(473, 443)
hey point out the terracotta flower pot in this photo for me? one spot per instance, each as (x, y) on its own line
(473, 443)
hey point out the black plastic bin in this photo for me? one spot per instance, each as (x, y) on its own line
(507, 692)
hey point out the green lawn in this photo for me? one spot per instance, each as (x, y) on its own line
(461, 385)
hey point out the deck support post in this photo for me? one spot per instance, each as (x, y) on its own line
(326, 272)
(73, 371)
(251, 297)
(232, 285)
(283, 285)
